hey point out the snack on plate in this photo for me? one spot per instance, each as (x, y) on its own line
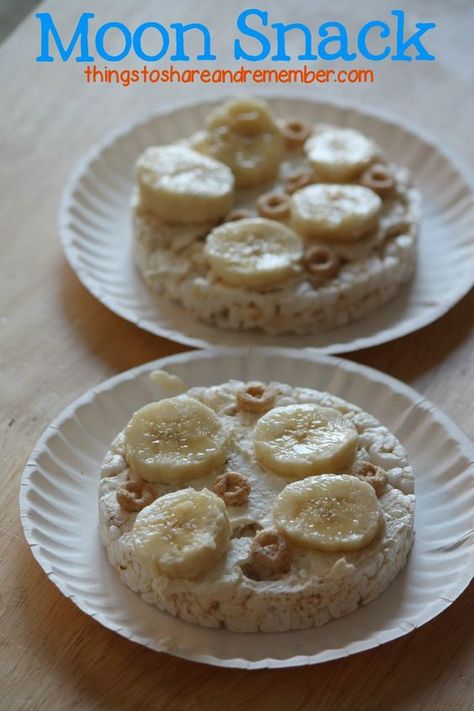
(257, 507)
(259, 222)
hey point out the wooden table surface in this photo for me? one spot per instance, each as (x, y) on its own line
(57, 341)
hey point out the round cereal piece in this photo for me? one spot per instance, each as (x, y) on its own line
(274, 206)
(269, 555)
(322, 262)
(135, 495)
(373, 475)
(295, 132)
(256, 398)
(297, 179)
(378, 178)
(233, 488)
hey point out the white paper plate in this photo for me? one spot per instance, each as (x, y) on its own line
(95, 226)
(58, 504)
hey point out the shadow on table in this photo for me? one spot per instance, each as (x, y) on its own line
(414, 356)
(123, 345)
(120, 344)
(91, 667)
(12, 13)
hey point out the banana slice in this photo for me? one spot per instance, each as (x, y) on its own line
(174, 440)
(244, 135)
(179, 185)
(182, 534)
(254, 253)
(343, 213)
(302, 440)
(331, 512)
(338, 155)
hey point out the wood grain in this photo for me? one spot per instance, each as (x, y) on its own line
(57, 341)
